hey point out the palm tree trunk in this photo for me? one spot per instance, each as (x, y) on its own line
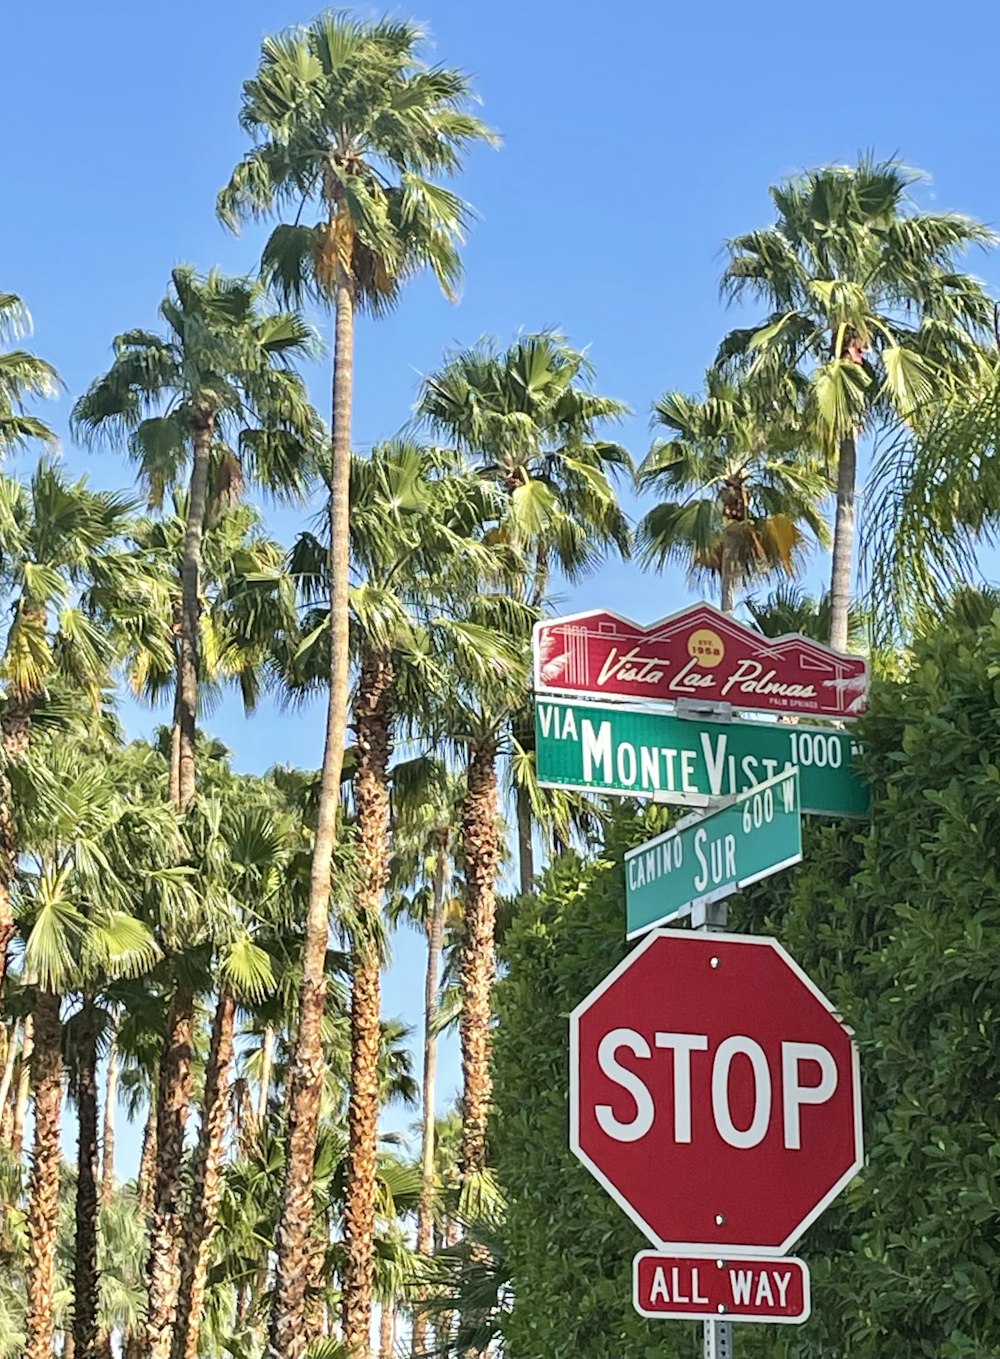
(207, 1187)
(373, 728)
(843, 543)
(481, 853)
(386, 1330)
(525, 848)
(23, 1087)
(16, 728)
(174, 1096)
(287, 1330)
(43, 1191)
(108, 1139)
(194, 530)
(174, 785)
(145, 1184)
(6, 1079)
(727, 583)
(85, 1275)
(266, 1067)
(425, 1207)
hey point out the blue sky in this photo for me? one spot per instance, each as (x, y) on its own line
(636, 139)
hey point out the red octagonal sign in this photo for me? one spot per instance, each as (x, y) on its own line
(714, 1093)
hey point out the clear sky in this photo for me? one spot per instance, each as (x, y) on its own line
(637, 137)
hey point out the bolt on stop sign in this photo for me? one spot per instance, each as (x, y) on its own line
(714, 1093)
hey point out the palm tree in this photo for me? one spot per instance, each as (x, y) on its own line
(245, 862)
(346, 119)
(531, 422)
(54, 534)
(739, 503)
(412, 522)
(23, 377)
(866, 307)
(428, 798)
(219, 389)
(81, 837)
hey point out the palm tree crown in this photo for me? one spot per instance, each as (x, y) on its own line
(866, 308)
(23, 377)
(739, 503)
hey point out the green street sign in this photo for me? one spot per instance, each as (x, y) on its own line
(633, 752)
(705, 858)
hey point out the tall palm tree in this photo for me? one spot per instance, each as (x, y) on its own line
(349, 124)
(530, 421)
(866, 304)
(23, 377)
(54, 534)
(425, 843)
(741, 505)
(413, 522)
(246, 862)
(81, 841)
(218, 391)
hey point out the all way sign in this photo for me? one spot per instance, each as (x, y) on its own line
(706, 859)
(684, 1286)
(633, 752)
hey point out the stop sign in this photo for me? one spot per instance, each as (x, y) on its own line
(714, 1093)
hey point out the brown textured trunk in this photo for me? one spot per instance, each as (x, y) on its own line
(287, 1336)
(108, 1139)
(85, 1275)
(373, 728)
(23, 1087)
(266, 1067)
(481, 853)
(200, 1225)
(174, 1096)
(425, 1206)
(145, 1186)
(386, 1331)
(727, 580)
(525, 848)
(16, 734)
(6, 1081)
(43, 1189)
(843, 544)
(174, 785)
(194, 530)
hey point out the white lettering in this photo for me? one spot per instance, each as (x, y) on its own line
(795, 1095)
(695, 1295)
(754, 1133)
(714, 760)
(609, 1064)
(596, 750)
(626, 764)
(675, 1276)
(741, 1281)
(682, 1044)
(545, 718)
(701, 880)
(781, 1282)
(659, 1291)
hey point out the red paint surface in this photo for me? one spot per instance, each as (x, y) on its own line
(602, 654)
(741, 1289)
(676, 1191)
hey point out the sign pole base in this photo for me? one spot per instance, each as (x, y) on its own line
(717, 1336)
(718, 1342)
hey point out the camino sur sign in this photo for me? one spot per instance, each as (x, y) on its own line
(631, 752)
(757, 834)
(714, 1094)
(710, 1289)
(698, 653)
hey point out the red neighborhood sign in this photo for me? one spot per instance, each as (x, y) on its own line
(698, 653)
(714, 1093)
(742, 1289)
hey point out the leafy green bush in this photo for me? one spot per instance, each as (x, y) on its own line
(898, 920)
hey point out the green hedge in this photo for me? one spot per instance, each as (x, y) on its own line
(897, 919)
